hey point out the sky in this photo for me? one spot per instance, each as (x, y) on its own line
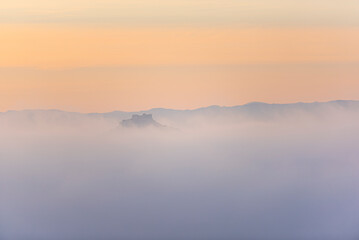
(110, 55)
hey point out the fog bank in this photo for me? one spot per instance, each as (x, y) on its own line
(292, 176)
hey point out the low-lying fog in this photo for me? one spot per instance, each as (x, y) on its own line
(82, 177)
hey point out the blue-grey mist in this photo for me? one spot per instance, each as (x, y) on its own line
(257, 171)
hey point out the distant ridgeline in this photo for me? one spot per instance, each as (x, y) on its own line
(141, 121)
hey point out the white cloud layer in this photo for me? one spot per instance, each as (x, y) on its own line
(292, 176)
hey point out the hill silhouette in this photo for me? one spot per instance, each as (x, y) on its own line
(141, 121)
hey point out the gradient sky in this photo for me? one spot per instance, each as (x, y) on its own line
(97, 56)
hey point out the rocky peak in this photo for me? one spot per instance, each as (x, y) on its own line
(144, 120)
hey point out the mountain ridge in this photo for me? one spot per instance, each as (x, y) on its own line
(222, 115)
(341, 102)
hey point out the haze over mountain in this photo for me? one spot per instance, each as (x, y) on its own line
(255, 111)
(258, 171)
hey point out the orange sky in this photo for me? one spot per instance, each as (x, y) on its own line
(137, 88)
(44, 46)
(133, 55)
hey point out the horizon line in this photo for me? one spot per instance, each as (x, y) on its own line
(186, 109)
